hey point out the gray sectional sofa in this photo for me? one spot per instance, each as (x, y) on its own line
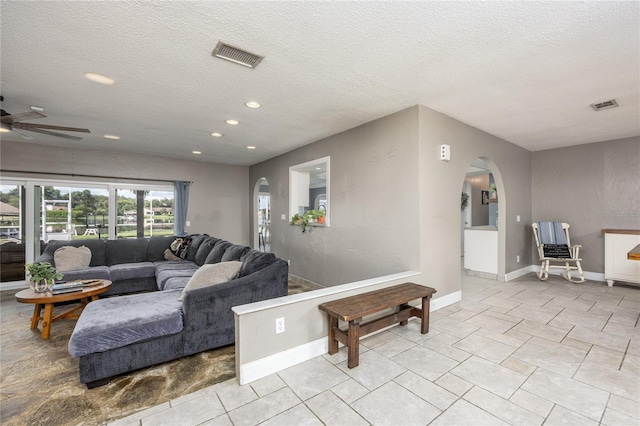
(116, 335)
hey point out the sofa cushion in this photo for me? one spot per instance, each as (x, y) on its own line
(217, 252)
(255, 260)
(174, 265)
(119, 321)
(194, 245)
(163, 276)
(127, 251)
(90, 273)
(69, 258)
(125, 271)
(176, 283)
(98, 250)
(208, 275)
(157, 246)
(234, 252)
(204, 249)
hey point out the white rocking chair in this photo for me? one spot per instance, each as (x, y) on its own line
(558, 256)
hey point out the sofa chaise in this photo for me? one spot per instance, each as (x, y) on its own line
(115, 335)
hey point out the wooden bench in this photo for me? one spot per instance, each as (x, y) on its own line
(353, 309)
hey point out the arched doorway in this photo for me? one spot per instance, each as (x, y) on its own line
(483, 239)
(262, 218)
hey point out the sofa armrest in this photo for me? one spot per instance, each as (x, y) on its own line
(208, 319)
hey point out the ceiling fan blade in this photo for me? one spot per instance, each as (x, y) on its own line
(29, 126)
(22, 116)
(24, 135)
(46, 132)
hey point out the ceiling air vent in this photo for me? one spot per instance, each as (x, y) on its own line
(237, 55)
(605, 105)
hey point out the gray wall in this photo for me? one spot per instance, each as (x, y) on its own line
(479, 211)
(394, 205)
(217, 200)
(442, 181)
(373, 205)
(591, 187)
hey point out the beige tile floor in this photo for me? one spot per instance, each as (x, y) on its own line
(521, 353)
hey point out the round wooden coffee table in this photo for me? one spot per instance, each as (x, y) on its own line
(47, 299)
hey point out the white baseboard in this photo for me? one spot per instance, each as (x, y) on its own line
(519, 273)
(445, 301)
(263, 367)
(277, 362)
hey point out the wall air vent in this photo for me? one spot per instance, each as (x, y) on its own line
(237, 55)
(605, 105)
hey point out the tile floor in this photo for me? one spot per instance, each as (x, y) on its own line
(523, 352)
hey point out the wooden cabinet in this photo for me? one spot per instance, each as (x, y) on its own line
(617, 267)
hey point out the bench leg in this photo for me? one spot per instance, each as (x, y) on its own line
(333, 342)
(353, 338)
(424, 324)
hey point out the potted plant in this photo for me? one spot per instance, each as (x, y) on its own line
(42, 276)
(302, 220)
(316, 216)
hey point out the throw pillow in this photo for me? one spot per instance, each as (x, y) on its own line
(180, 245)
(69, 258)
(212, 274)
(168, 255)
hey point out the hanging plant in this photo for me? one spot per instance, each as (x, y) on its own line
(464, 201)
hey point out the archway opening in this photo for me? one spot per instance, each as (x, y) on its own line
(262, 218)
(482, 238)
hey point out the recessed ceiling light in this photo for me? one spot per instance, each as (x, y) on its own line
(232, 122)
(252, 104)
(216, 134)
(112, 137)
(196, 152)
(99, 78)
(251, 147)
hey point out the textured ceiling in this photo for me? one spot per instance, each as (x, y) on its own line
(524, 71)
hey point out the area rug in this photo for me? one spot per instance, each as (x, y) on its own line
(39, 379)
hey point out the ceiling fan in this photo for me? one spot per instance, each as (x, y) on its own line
(14, 122)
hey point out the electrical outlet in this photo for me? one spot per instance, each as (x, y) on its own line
(279, 325)
(518, 218)
(518, 259)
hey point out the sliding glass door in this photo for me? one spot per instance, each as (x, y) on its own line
(70, 213)
(12, 231)
(35, 212)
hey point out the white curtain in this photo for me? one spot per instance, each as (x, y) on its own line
(180, 208)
